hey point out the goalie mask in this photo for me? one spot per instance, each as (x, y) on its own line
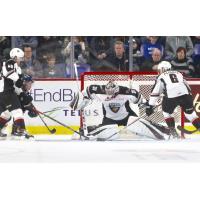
(111, 88)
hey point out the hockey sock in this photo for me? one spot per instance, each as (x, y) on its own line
(170, 122)
(3, 122)
(19, 125)
(196, 123)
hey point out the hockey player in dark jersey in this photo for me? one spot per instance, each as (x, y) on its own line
(116, 107)
(11, 77)
(25, 96)
(25, 99)
(176, 93)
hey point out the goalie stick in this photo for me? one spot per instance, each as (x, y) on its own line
(82, 111)
(68, 127)
(180, 128)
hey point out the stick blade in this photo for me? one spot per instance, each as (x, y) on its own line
(53, 131)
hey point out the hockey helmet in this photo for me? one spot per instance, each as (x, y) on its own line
(164, 66)
(28, 78)
(16, 53)
(27, 84)
(111, 88)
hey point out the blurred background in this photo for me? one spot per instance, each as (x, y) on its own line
(56, 56)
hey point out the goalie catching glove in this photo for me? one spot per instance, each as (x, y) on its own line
(79, 102)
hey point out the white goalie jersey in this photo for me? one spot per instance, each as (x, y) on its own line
(115, 107)
(171, 84)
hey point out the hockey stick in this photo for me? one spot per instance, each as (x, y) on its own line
(180, 128)
(54, 109)
(52, 131)
(85, 130)
(130, 123)
(68, 127)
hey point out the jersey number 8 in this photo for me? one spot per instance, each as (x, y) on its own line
(173, 78)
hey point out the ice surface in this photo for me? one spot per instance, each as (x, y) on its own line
(51, 149)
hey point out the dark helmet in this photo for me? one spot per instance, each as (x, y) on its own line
(28, 78)
(27, 84)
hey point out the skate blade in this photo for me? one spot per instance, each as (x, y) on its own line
(18, 138)
(174, 138)
(3, 138)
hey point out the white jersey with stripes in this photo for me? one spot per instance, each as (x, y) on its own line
(115, 107)
(171, 84)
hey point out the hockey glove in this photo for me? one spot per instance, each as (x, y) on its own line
(32, 113)
(149, 110)
(25, 100)
(10, 65)
(20, 81)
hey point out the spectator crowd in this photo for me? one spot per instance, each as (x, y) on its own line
(52, 56)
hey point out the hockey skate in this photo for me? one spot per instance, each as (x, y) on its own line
(21, 134)
(174, 133)
(27, 135)
(79, 136)
(3, 132)
(3, 135)
(75, 136)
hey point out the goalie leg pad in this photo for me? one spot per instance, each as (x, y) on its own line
(147, 129)
(105, 133)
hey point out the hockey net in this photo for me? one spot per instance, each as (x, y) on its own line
(143, 82)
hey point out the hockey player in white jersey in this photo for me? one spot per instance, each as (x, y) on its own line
(116, 102)
(11, 77)
(176, 93)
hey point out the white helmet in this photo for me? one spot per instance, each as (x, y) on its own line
(111, 88)
(164, 66)
(16, 53)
